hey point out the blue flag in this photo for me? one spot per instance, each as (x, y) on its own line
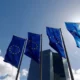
(55, 40)
(14, 51)
(33, 46)
(74, 29)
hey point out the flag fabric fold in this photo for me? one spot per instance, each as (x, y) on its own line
(74, 29)
(14, 51)
(55, 40)
(33, 46)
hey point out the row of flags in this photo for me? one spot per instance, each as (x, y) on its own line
(32, 48)
(16, 47)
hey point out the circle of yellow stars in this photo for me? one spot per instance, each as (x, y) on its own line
(57, 40)
(14, 46)
(33, 43)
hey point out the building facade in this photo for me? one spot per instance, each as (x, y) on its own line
(52, 67)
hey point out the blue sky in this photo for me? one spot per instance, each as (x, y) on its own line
(17, 17)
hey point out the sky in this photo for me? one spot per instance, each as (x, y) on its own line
(17, 17)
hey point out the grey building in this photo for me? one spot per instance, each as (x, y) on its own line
(52, 67)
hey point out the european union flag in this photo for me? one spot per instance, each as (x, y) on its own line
(74, 29)
(33, 46)
(14, 51)
(55, 40)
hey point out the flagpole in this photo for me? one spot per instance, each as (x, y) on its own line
(21, 57)
(41, 57)
(71, 74)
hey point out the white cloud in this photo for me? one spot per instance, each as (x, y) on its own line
(24, 72)
(78, 71)
(9, 77)
(7, 69)
(76, 74)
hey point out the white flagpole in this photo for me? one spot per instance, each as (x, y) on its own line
(67, 56)
(21, 57)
